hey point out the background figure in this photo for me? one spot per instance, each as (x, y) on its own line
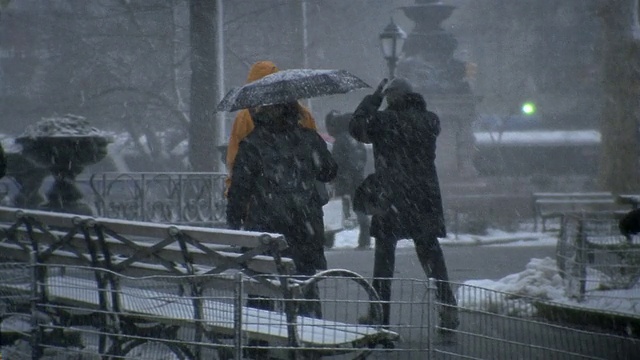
(351, 157)
(630, 224)
(274, 175)
(404, 146)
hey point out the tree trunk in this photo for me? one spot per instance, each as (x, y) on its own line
(619, 170)
(204, 92)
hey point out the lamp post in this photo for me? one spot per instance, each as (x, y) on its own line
(391, 41)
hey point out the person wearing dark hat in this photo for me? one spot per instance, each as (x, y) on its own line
(403, 194)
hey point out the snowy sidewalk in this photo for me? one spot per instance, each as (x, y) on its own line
(348, 239)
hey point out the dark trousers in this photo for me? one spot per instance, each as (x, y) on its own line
(431, 258)
(364, 238)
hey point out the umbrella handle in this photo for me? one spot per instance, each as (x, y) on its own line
(381, 86)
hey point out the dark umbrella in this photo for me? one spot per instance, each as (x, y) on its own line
(290, 85)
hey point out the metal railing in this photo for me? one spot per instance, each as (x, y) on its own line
(193, 198)
(240, 324)
(186, 197)
(593, 256)
(516, 329)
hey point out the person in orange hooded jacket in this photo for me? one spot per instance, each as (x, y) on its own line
(243, 124)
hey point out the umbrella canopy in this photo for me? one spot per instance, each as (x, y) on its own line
(290, 85)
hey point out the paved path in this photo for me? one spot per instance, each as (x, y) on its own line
(464, 263)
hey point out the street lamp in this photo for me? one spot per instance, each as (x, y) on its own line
(391, 41)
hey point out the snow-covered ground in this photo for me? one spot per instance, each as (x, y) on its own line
(349, 239)
(540, 278)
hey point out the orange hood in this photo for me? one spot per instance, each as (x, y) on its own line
(260, 70)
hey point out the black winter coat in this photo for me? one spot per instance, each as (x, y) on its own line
(285, 203)
(404, 148)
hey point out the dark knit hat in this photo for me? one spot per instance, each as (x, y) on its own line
(399, 86)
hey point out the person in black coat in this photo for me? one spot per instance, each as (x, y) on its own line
(274, 178)
(351, 156)
(630, 224)
(404, 193)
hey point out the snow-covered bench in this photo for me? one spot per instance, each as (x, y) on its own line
(138, 282)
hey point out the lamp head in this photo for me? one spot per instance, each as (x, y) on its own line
(391, 40)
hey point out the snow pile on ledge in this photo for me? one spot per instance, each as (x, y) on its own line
(513, 294)
(64, 126)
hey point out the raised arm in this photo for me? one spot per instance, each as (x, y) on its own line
(362, 121)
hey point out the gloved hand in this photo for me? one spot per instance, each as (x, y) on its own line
(371, 103)
(377, 96)
(381, 86)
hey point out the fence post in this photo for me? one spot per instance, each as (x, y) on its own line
(237, 315)
(213, 194)
(143, 197)
(35, 330)
(182, 179)
(431, 317)
(581, 258)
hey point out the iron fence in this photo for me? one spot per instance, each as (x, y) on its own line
(595, 261)
(493, 325)
(194, 198)
(499, 325)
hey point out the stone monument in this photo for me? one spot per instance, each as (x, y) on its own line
(430, 65)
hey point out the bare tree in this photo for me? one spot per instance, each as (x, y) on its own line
(202, 148)
(619, 170)
(122, 64)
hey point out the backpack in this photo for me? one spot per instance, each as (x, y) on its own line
(288, 175)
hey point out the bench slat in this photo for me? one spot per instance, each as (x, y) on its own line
(171, 252)
(203, 235)
(145, 229)
(575, 201)
(594, 194)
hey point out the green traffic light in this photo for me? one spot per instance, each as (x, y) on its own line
(528, 108)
